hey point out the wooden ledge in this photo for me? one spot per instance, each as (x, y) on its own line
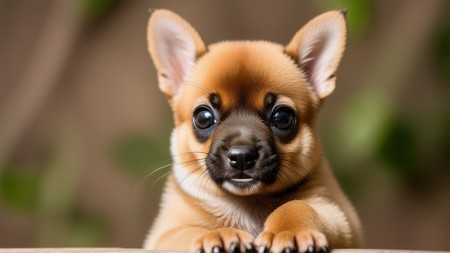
(122, 250)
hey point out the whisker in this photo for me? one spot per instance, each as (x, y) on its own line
(163, 162)
(190, 173)
(161, 168)
(185, 177)
(155, 171)
(202, 176)
(166, 166)
(159, 179)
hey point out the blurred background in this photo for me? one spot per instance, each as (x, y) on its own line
(83, 124)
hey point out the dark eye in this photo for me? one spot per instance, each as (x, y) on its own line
(283, 118)
(203, 118)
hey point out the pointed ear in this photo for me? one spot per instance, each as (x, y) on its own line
(174, 46)
(318, 49)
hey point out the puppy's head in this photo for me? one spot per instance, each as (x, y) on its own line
(244, 111)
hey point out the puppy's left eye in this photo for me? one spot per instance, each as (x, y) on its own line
(283, 118)
(204, 121)
(203, 118)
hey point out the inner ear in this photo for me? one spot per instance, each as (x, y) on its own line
(318, 48)
(174, 46)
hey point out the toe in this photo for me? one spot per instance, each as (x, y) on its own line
(320, 242)
(263, 242)
(305, 242)
(230, 240)
(246, 242)
(283, 242)
(212, 243)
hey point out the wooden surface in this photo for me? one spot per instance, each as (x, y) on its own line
(121, 250)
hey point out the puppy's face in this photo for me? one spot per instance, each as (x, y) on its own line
(244, 111)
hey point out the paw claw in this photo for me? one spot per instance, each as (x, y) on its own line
(234, 248)
(288, 250)
(249, 248)
(263, 249)
(222, 240)
(305, 241)
(324, 249)
(216, 249)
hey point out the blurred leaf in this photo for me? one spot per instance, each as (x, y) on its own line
(60, 182)
(398, 148)
(138, 152)
(360, 125)
(443, 50)
(359, 13)
(19, 188)
(446, 137)
(98, 8)
(87, 231)
(347, 181)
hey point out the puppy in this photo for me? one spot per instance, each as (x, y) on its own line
(248, 171)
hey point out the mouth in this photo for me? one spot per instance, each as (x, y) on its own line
(242, 185)
(241, 180)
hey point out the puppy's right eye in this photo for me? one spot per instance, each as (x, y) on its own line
(204, 118)
(283, 118)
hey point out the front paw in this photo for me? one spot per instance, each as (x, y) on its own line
(305, 241)
(225, 240)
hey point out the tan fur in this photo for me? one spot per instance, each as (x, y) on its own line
(195, 213)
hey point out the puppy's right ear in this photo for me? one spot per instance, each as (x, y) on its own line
(174, 46)
(318, 47)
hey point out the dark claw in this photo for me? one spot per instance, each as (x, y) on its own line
(199, 251)
(234, 248)
(310, 249)
(249, 248)
(263, 249)
(288, 250)
(324, 249)
(216, 249)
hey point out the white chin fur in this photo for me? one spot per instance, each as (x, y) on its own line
(249, 190)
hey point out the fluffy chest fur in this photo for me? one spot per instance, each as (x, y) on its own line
(245, 214)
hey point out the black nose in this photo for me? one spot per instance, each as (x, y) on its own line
(242, 157)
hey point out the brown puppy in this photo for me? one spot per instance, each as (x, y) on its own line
(248, 170)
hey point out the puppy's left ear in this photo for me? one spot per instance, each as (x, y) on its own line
(318, 47)
(174, 46)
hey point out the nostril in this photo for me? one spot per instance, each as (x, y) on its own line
(242, 157)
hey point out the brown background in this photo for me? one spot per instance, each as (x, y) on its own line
(73, 83)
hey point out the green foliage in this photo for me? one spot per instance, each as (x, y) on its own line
(360, 125)
(98, 8)
(138, 152)
(398, 148)
(74, 228)
(445, 145)
(19, 188)
(443, 50)
(87, 231)
(347, 181)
